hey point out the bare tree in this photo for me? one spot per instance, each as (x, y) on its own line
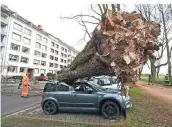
(166, 19)
(159, 13)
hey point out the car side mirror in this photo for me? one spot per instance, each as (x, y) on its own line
(90, 90)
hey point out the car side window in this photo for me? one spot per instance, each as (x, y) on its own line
(82, 88)
(79, 88)
(62, 88)
(50, 87)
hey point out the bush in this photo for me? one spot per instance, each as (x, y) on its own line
(42, 74)
(51, 76)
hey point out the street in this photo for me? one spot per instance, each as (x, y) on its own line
(11, 104)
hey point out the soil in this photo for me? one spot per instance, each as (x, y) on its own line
(160, 92)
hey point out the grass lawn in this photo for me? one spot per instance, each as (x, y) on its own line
(158, 81)
(146, 112)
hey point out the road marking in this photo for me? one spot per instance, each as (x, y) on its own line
(32, 106)
(111, 123)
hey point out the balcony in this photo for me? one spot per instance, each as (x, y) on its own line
(4, 22)
(3, 33)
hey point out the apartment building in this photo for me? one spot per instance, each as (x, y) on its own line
(26, 47)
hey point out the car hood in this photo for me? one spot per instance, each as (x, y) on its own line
(112, 91)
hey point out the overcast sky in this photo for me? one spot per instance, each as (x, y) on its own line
(47, 13)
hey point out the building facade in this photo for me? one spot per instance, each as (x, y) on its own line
(26, 47)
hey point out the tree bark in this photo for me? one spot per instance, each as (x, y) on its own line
(140, 72)
(153, 70)
(167, 46)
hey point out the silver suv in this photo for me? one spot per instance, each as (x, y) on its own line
(107, 82)
(85, 96)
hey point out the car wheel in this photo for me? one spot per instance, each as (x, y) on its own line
(110, 110)
(50, 107)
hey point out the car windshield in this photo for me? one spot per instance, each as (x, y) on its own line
(98, 87)
(107, 81)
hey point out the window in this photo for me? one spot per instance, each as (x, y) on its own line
(43, 63)
(69, 60)
(56, 52)
(12, 69)
(36, 53)
(62, 87)
(26, 40)
(52, 50)
(65, 55)
(3, 15)
(38, 37)
(65, 50)
(45, 40)
(17, 27)
(57, 46)
(64, 61)
(52, 44)
(51, 65)
(27, 31)
(36, 62)
(22, 69)
(16, 37)
(15, 47)
(61, 60)
(14, 58)
(38, 45)
(62, 49)
(36, 71)
(24, 60)
(42, 71)
(44, 47)
(61, 66)
(55, 65)
(56, 58)
(62, 54)
(25, 50)
(51, 57)
(44, 55)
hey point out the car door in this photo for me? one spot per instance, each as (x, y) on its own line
(63, 95)
(83, 99)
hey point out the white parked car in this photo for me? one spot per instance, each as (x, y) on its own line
(107, 82)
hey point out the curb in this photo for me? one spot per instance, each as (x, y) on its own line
(111, 123)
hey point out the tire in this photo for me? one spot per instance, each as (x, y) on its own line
(110, 110)
(50, 107)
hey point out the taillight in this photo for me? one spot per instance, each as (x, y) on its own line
(43, 94)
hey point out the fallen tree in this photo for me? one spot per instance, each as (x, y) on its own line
(120, 45)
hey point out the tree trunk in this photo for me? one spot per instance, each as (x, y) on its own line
(140, 72)
(167, 47)
(157, 74)
(153, 70)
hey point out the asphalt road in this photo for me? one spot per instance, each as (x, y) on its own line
(11, 104)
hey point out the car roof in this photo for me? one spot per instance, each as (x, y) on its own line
(52, 81)
(98, 77)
